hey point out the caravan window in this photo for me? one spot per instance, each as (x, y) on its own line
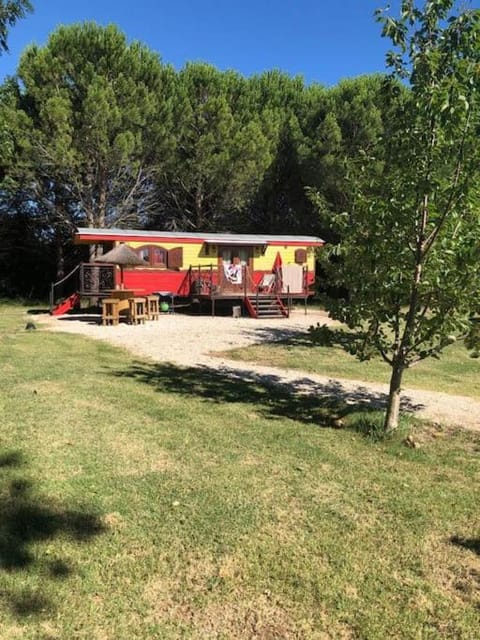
(235, 255)
(153, 256)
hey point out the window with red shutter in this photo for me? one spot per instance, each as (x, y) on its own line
(153, 256)
(175, 258)
(300, 256)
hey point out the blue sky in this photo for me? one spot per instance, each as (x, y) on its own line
(322, 40)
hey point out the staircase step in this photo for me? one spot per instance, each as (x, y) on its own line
(265, 307)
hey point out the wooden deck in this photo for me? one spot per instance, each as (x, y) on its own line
(262, 294)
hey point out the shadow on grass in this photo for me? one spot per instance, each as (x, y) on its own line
(472, 544)
(301, 399)
(316, 335)
(26, 519)
(287, 336)
(321, 335)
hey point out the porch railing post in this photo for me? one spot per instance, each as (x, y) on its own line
(305, 287)
(52, 296)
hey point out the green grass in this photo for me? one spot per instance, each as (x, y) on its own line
(146, 501)
(454, 372)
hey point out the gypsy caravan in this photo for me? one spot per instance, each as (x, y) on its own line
(264, 272)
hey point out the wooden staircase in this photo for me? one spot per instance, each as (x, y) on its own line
(265, 306)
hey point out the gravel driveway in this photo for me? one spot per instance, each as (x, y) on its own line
(188, 340)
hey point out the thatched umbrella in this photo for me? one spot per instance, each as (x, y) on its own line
(122, 255)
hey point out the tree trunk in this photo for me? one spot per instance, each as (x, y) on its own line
(393, 406)
(60, 261)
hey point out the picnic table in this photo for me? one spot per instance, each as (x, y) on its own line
(138, 306)
(123, 295)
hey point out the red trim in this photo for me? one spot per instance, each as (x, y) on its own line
(91, 239)
(278, 243)
(251, 311)
(283, 308)
(149, 280)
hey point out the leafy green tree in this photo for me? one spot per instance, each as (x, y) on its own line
(10, 12)
(90, 120)
(221, 152)
(27, 255)
(280, 204)
(409, 249)
(341, 129)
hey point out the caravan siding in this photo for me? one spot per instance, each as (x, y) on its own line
(265, 261)
(193, 253)
(204, 255)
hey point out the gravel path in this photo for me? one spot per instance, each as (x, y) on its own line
(188, 341)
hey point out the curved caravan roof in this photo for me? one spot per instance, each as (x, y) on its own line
(90, 235)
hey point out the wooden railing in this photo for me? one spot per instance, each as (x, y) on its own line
(87, 279)
(203, 280)
(210, 280)
(96, 279)
(64, 287)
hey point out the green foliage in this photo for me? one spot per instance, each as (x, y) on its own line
(371, 425)
(349, 126)
(472, 340)
(27, 257)
(10, 12)
(89, 105)
(280, 204)
(408, 253)
(96, 131)
(221, 151)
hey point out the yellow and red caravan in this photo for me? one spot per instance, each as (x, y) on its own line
(170, 255)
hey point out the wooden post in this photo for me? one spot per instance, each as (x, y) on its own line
(305, 287)
(52, 297)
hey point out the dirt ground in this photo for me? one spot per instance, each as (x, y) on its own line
(190, 340)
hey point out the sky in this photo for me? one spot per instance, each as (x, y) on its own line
(322, 40)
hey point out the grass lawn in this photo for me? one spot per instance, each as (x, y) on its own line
(140, 500)
(455, 372)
